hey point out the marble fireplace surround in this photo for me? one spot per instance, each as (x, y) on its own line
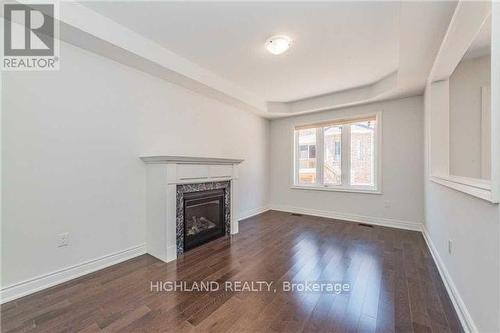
(188, 188)
(165, 177)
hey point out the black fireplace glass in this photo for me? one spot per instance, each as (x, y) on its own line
(203, 217)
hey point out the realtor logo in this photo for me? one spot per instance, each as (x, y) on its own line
(29, 37)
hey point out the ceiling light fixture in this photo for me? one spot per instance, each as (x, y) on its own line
(278, 44)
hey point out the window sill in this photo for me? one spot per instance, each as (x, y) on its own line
(336, 189)
(475, 187)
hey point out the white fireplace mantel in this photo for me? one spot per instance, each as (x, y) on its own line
(189, 159)
(163, 174)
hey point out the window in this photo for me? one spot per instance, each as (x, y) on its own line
(306, 168)
(337, 155)
(332, 164)
(362, 153)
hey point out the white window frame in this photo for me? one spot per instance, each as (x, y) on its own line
(345, 158)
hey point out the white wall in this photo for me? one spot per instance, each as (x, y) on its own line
(466, 123)
(71, 141)
(402, 166)
(473, 226)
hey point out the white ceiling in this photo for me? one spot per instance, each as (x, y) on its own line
(481, 45)
(337, 45)
(344, 53)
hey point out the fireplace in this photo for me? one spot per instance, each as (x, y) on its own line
(203, 213)
(203, 217)
(168, 180)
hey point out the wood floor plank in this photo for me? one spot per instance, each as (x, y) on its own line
(395, 285)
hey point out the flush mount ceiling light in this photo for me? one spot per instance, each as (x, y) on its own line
(278, 44)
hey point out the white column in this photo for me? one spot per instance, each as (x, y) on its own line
(171, 212)
(234, 201)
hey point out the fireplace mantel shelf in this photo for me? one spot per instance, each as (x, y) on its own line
(188, 160)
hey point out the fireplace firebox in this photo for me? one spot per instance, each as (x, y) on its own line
(204, 217)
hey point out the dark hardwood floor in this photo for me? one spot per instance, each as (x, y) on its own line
(395, 286)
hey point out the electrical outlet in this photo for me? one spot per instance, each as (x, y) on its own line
(450, 246)
(63, 239)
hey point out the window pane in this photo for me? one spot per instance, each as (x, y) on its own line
(333, 163)
(362, 153)
(307, 156)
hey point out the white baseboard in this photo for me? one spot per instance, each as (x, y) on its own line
(386, 222)
(253, 212)
(30, 286)
(459, 305)
(33, 285)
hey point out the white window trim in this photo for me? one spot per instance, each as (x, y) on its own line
(319, 186)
